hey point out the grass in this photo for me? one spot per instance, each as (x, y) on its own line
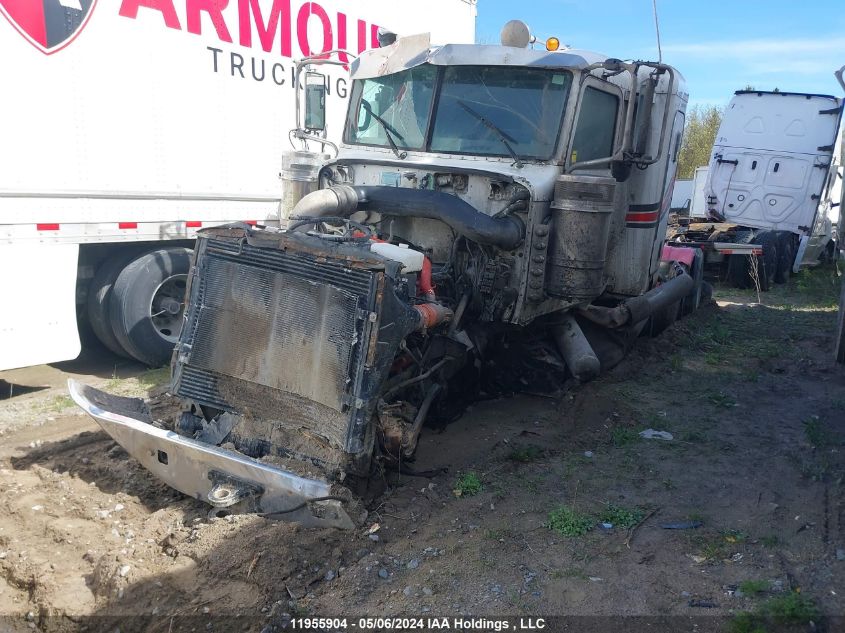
(715, 546)
(769, 541)
(818, 434)
(734, 536)
(154, 377)
(467, 485)
(525, 454)
(568, 522)
(623, 436)
(498, 534)
(789, 609)
(753, 587)
(714, 550)
(694, 437)
(59, 404)
(621, 517)
(569, 572)
(723, 400)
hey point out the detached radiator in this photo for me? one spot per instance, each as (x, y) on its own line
(280, 334)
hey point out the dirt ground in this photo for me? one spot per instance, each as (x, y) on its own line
(749, 393)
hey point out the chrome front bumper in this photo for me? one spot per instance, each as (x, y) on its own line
(211, 474)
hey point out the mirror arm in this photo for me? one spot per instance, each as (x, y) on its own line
(324, 142)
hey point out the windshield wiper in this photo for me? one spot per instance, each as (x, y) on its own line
(492, 126)
(387, 131)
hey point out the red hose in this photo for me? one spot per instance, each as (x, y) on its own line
(425, 284)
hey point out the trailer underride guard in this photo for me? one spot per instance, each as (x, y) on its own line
(430, 266)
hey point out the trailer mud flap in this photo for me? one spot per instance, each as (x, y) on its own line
(214, 475)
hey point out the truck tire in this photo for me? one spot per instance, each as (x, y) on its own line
(690, 303)
(99, 298)
(769, 260)
(739, 266)
(786, 257)
(147, 304)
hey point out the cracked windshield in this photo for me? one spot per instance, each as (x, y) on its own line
(492, 111)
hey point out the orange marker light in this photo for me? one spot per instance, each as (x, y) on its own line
(552, 44)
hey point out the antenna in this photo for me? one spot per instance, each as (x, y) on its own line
(657, 29)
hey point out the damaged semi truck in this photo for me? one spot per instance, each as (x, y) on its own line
(491, 211)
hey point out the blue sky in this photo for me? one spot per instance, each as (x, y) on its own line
(718, 46)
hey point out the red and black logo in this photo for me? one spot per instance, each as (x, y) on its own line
(49, 25)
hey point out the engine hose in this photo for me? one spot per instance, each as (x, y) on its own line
(343, 200)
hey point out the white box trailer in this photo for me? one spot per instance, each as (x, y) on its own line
(697, 205)
(127, 125)
(772, 185)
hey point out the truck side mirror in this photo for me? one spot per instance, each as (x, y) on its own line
(315, 102)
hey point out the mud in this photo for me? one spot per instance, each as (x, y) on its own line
(750, 394)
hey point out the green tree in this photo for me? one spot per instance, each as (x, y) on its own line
(700, 132)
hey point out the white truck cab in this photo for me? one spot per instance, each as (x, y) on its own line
(771, 185)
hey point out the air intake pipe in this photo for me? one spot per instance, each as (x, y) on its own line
(344, 200)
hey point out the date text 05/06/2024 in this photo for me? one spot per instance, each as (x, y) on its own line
(419, 624)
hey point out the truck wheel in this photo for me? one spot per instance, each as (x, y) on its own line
(768, 263)
(786, 257)
(738, 271)
(690, 303)
(99, 298)
(739, 266)
(148, 304)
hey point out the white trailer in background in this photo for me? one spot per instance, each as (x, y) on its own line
(681, 197)
(688, 197)
(128, 125)
(771, 186)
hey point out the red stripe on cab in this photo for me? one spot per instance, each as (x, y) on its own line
(193, 224)
(127, 225)
(251, 222)
(649, 216)
(47, 227)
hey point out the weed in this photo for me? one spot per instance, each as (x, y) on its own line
(746, 622)
(154, 377)
(753, 587)
(817, 469)
(668, 484)
(621, 517)
(696, 437)
(623, 436)
(734, 536)
(722, 399)
(713, 550)
(467, 484)
(714, 358)
(525, 454)
(790, 608)
(59, 404)
(769, 541)
(497, 534)
(751, 375)
(568, 522)
(569, 572)
(818, 434)
(532, 484)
